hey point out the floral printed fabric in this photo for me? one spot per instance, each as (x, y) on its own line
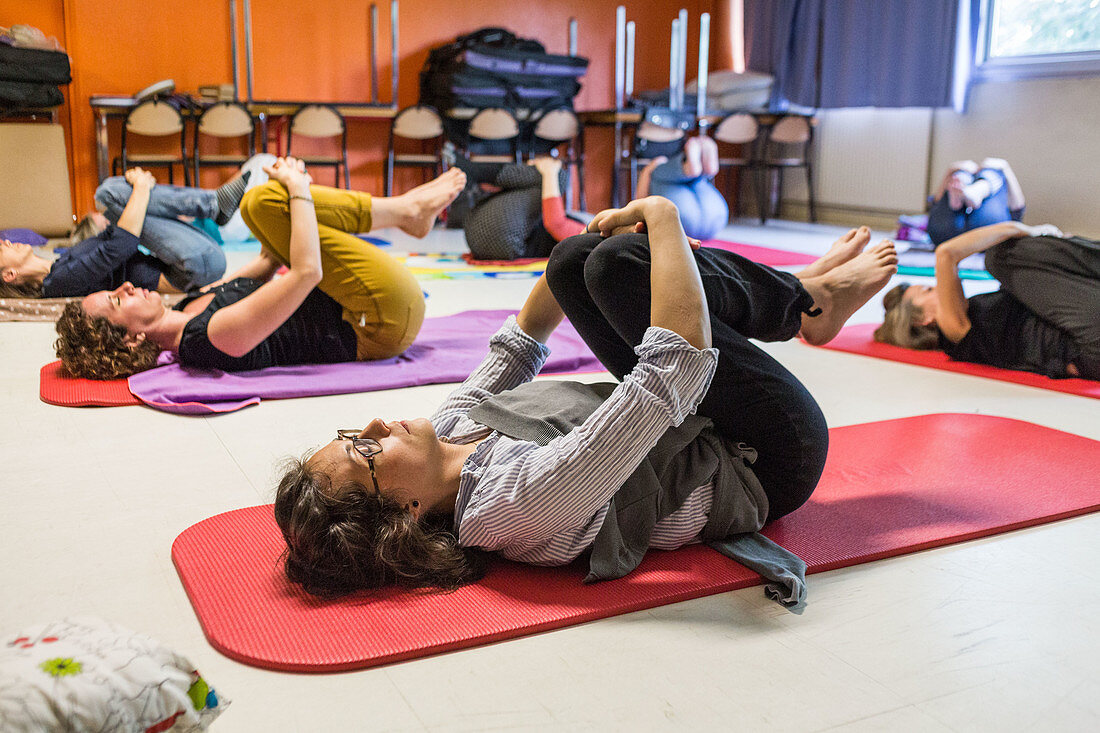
(85, 674)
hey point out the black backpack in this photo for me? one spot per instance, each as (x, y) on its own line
(29, 78)
(492, 67)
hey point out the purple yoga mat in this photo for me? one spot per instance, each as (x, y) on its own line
(447, 350)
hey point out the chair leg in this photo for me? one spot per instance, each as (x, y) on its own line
(580, 185)
(569, 188)
(762, 194)
(810, 189)
(387, 184)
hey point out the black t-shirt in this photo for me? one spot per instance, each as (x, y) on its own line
(102, 262)
(1004, 333)
(316, 333)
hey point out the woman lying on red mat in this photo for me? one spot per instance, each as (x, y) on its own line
(543, 471)
(342, 299)
(1044, 319)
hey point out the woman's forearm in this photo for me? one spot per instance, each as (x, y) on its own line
(541, 314)
(133, 215)
(305, 242)
(977, 240)
(678, 301)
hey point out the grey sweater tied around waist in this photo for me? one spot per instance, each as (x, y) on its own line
(686, 457)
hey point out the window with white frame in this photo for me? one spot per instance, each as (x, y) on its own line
(1040, 38)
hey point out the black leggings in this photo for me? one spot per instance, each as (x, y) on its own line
(603, 285)
(1058, 279)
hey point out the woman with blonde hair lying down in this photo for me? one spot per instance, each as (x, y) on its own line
(342, 299)
(104, 247)
(1044, 319)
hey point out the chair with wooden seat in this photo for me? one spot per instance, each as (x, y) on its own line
(422, 124)
(321, 121)
(787, 144)
(560, 133)
(224, 121)
(153, 118)
(493, 137)
(737, 137)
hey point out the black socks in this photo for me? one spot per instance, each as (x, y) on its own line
(229, 198)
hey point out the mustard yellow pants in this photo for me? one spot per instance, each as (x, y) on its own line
(381, 299)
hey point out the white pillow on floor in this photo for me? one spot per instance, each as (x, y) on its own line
(85, 674)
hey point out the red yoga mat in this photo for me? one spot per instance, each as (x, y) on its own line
(57, 388)
(889, 488)
(859, 340)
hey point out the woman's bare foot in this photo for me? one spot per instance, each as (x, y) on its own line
(841, 291)
(416, 211)
(841, 251)
(710, 156)
(954, 191)
(693, 157)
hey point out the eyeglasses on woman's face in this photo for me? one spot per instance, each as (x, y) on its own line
(366, 447)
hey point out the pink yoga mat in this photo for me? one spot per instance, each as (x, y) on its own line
(889, 488)
(859, 340)
(756, 253)
(763, 255)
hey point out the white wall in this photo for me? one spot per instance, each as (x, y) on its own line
(1049, 130)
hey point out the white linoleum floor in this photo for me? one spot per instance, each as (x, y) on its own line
(998, 634)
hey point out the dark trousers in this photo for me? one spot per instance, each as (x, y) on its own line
(1059, 281)
(603, 285)
(945, 222)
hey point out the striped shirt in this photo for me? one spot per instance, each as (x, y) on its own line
(544, 505)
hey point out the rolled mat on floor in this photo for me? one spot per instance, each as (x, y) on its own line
(889, 488)
(447, 349)
(57, 388)
(859, 340)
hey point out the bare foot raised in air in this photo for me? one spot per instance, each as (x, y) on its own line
(417, 210)
(841, 291)
(841, 251)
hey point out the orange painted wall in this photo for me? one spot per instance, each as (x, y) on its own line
(319, 50)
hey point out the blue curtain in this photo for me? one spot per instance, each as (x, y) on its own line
(863, 53)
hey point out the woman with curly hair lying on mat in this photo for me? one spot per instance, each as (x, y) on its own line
(1044, 319)
(541, 472)
(104, 251)
(342, 299)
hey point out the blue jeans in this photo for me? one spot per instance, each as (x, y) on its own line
(703, 210)
(192, 256)
(603, 285)
(945, 223)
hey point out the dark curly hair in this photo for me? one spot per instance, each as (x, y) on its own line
(94, 348)
(352, 539)
(902, 324)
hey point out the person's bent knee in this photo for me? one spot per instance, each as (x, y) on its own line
(268, 198)
(566, 262)
(114, 192)
(617, 261)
